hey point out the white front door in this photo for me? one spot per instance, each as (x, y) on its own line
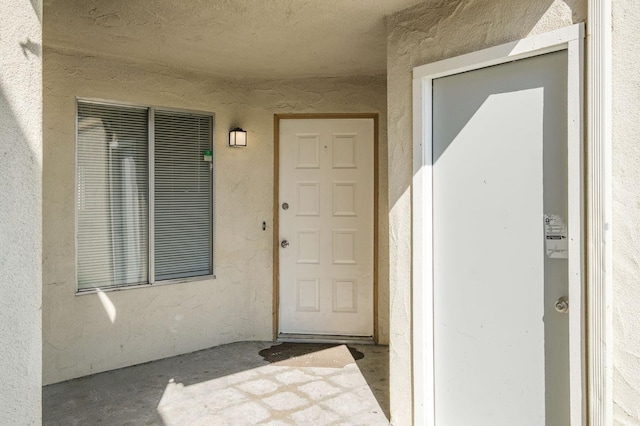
(326, 228)
(500, 248)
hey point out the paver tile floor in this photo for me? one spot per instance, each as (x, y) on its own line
(231, 385)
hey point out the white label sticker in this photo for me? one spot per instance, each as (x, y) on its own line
(555, 237)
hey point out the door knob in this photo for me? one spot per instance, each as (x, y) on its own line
(562, 305)
(284, 244)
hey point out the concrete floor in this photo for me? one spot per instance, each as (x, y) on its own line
(231, 385)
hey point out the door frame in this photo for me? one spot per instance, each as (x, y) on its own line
(276, 206)
(570, 39)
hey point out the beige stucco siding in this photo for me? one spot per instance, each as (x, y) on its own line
(156, 322)
(433, 31)
(20, 212)
(626, 210)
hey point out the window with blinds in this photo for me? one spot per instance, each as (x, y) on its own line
(135, 227)
(182, 196)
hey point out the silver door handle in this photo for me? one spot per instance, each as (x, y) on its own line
(562, 305)
(284, 244)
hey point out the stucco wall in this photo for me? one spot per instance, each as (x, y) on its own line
(20, 212)
(626, 211)
(432, 31)
(160, 321)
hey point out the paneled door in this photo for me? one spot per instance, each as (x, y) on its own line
(326, 226)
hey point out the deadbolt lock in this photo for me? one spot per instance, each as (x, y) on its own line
(284, 244)
(562, 305)
(285, 206)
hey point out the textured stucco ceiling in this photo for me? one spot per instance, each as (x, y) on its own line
(249, 38)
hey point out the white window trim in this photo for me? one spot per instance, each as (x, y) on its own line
(151, 197)
(570, 39)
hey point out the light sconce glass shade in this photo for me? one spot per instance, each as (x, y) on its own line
(237, 137)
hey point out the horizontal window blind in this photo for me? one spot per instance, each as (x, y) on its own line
(183, 195)
(112, 195)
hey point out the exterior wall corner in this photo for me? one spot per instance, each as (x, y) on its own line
(20, 212)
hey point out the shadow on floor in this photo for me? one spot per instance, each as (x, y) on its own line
(231, 384)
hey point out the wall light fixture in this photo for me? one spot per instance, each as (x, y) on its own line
(237, 137)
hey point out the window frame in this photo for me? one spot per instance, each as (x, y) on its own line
(151, 109)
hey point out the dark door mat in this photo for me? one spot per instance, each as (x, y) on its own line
(318, 354)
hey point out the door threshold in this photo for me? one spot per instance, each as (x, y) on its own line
(325, 338)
